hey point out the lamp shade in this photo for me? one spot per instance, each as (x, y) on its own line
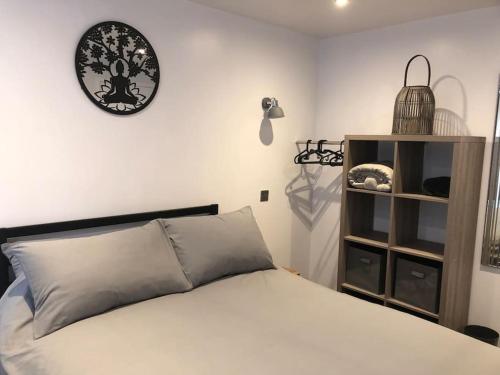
(272, 108)
(276, 112)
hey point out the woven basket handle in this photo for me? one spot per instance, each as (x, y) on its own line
(428, 67)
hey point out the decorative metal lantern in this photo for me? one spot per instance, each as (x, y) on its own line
(415, 106)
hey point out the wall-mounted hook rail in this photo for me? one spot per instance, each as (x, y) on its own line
(330, 143)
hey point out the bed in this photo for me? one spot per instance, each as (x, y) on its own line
(263, 322)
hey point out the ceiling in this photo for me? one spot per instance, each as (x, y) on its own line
(322, 18)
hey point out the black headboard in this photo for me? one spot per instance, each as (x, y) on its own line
(64, 226)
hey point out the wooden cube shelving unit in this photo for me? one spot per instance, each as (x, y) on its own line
(395, 221)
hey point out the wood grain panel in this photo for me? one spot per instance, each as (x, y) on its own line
(415, 138)
(461, 233)
(458, 251)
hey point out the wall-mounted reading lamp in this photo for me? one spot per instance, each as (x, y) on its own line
(272, 109)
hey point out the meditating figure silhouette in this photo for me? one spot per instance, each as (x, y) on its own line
(120, 91)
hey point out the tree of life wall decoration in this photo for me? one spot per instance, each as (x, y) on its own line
(117, 68)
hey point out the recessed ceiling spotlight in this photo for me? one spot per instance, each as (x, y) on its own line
(341, 3)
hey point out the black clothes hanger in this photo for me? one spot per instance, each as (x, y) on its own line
(322, 156)
(334, 158)
(322, 153)
(304, 156)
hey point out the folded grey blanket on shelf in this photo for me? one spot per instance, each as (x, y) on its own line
(371, 176)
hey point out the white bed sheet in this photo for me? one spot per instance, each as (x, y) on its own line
(267, 322)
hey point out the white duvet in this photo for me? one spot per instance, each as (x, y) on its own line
(268, 322)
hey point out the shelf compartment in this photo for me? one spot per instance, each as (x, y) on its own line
(420, 228)
(365, 151)
(418, 161)
(368, 218)
(374, 238)
(423, 197)
(362, 295)
(417, 283)
(415, 138)
(407, 306)
(424, 249)
(366, 267)
(374, 192)
(362, 291)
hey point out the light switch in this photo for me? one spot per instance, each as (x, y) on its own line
(264, 195)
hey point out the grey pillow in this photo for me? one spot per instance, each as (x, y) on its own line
(210, 247)
(76, 278)
(16, 265)
(14, 262)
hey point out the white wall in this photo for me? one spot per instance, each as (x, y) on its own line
(197, 143)
(359, 78)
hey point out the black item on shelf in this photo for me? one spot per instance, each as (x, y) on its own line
(417, 282)
(415, 106)
(366, 267)
(437, 186)
(484, 334)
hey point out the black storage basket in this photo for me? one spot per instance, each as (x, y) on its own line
(415, 107)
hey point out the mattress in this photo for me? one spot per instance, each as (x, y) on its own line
(267, 322)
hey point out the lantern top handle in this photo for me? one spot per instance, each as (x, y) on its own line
(428, 68)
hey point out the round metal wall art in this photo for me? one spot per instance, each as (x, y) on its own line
(117, 68)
